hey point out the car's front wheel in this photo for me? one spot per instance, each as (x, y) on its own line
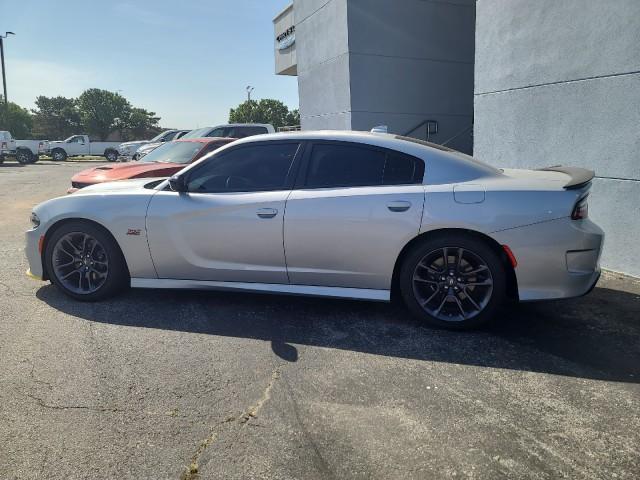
(59, 155)
(84, 261)
(453, 281)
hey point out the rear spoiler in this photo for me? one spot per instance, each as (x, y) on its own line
(579, 176)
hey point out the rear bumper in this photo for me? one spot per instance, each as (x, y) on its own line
(556, 259)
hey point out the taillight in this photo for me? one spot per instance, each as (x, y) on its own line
(581, 209)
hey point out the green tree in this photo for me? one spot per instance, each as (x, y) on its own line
(55, 118)
(293, 118)
(140, 124)
(15, 119)
(103, 112)
(266, 110)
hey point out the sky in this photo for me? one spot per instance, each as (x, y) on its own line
(187, 60)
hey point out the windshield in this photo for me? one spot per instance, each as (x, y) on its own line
(173, 152)
(158, 137)
(198, 133)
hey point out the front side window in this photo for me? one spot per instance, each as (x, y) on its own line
(220, 132)
(351, 165)
(76, 140)
(245, 169)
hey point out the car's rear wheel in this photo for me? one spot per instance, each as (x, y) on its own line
(111, 155)
(453, 281)
(85, 262)
(23, 156)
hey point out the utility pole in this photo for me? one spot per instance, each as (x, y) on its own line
(4, 75)
(249, 90)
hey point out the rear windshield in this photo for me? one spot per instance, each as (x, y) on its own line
(448, 150)
(173, 152)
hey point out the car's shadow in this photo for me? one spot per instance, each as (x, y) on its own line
(595, 337)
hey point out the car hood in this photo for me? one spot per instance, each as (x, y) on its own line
(133, 143)
(123, 171)
(122, 186)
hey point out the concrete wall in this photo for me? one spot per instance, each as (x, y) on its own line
(559, 83)
(323, 64)
(363, 63)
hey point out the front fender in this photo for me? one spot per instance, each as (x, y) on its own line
(122, 215)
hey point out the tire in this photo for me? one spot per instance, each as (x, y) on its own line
(23, 156)
(96, 281)
(111, 155)
(59, 155)
(465, 294)
(34, 158)
(1, 159)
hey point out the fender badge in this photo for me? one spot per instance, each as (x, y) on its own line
(133, 231)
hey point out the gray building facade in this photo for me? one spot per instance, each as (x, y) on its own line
(543, 83)
(559, 83)
(363, 63)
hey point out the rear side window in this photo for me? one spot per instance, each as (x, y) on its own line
(401, 169)
(352, 165)
(241, 132)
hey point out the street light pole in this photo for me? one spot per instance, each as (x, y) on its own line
(249, 90)
(4, 75)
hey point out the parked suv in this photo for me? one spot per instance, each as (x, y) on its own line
(234, 130)
(127, 150)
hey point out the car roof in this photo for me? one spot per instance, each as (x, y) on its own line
(240, 125)
(207, 139)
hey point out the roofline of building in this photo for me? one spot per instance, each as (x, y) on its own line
(283, 11)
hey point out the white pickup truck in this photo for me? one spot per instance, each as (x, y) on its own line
(80, 145)
(24, 151)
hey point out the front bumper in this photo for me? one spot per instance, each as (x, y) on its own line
(556, 259)
(33, 244)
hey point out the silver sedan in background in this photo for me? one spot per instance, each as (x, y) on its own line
(338, 214)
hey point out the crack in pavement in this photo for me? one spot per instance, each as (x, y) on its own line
(93, 408)
(244, 419)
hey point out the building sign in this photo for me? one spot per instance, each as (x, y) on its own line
(286, 38)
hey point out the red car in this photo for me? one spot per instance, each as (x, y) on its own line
(164, 161)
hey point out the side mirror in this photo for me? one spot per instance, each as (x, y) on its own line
(177, 183)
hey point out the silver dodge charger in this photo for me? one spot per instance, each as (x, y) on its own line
(339, 214)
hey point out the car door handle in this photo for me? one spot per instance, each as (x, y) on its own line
(399, 206)
(267, 212)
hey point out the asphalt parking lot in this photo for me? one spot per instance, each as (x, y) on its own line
(185, 385)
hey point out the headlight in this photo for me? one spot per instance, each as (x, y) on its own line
(35, 221)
